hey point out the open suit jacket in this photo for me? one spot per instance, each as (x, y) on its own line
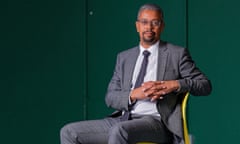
(174, 63)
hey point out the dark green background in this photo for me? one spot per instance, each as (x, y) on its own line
(51, 52)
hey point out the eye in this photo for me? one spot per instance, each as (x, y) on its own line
(156, 23)
(144, 22)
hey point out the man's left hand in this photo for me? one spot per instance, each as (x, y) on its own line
(158, 89)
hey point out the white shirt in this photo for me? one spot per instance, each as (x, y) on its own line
(146, 107)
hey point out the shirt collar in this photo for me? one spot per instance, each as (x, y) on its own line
(152, 49)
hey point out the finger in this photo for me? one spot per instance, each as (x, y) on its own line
(154, 98)
(161, 97)
(160, 93)
(149, 93)
(157, 97)
(160, 85)
(160, 82)
(147, 86)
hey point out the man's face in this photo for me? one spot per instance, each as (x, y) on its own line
(149, 26)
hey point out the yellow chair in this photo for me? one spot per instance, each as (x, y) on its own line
(185, 128)
(184, 115)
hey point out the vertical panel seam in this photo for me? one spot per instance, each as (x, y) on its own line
(85, 96)
(187, 26)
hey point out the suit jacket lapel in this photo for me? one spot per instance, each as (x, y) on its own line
(130, 65)
(162, 59)
(132, 58)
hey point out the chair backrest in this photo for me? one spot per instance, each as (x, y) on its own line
(184, 116)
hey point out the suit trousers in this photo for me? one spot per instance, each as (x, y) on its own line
(113, 131)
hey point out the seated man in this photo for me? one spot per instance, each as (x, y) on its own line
(146, 90)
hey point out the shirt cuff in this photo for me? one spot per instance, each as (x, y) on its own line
(130, 102)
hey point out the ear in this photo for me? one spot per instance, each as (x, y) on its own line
(137, 26)
(162, 26)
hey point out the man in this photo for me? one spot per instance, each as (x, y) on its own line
(146, 89)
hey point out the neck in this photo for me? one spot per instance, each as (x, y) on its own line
(147, 45)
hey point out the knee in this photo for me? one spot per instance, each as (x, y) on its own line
(64, 131)
(67, 132)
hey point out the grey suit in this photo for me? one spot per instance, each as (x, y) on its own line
(174, 63)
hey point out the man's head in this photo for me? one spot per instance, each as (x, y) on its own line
(149, 24)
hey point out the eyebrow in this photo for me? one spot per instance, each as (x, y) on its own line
(150, 20)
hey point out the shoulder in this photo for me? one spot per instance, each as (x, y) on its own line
(129, 52)
(172, 47)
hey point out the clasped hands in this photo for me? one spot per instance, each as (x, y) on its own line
(154, 90)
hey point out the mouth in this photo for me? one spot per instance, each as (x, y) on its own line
(149, 33)
(148, 37)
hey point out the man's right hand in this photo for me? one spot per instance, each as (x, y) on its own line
(138, 94)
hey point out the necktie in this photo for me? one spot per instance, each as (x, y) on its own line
(143, 69)
(139, 81)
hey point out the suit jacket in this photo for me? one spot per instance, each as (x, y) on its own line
(174, 63)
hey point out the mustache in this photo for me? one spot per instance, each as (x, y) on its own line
(149, 31)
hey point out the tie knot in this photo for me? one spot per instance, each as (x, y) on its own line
(146, 53)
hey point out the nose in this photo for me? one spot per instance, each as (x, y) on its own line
(149, 26)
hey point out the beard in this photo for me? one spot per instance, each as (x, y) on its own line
(149, 39)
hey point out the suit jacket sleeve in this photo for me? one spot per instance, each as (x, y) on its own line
(192, 79)
(117, 96)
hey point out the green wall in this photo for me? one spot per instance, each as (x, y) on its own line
(213, 40)
(57, 57)
(42, 69)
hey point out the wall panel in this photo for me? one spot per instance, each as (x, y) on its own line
(214, 44)
(42, 69)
